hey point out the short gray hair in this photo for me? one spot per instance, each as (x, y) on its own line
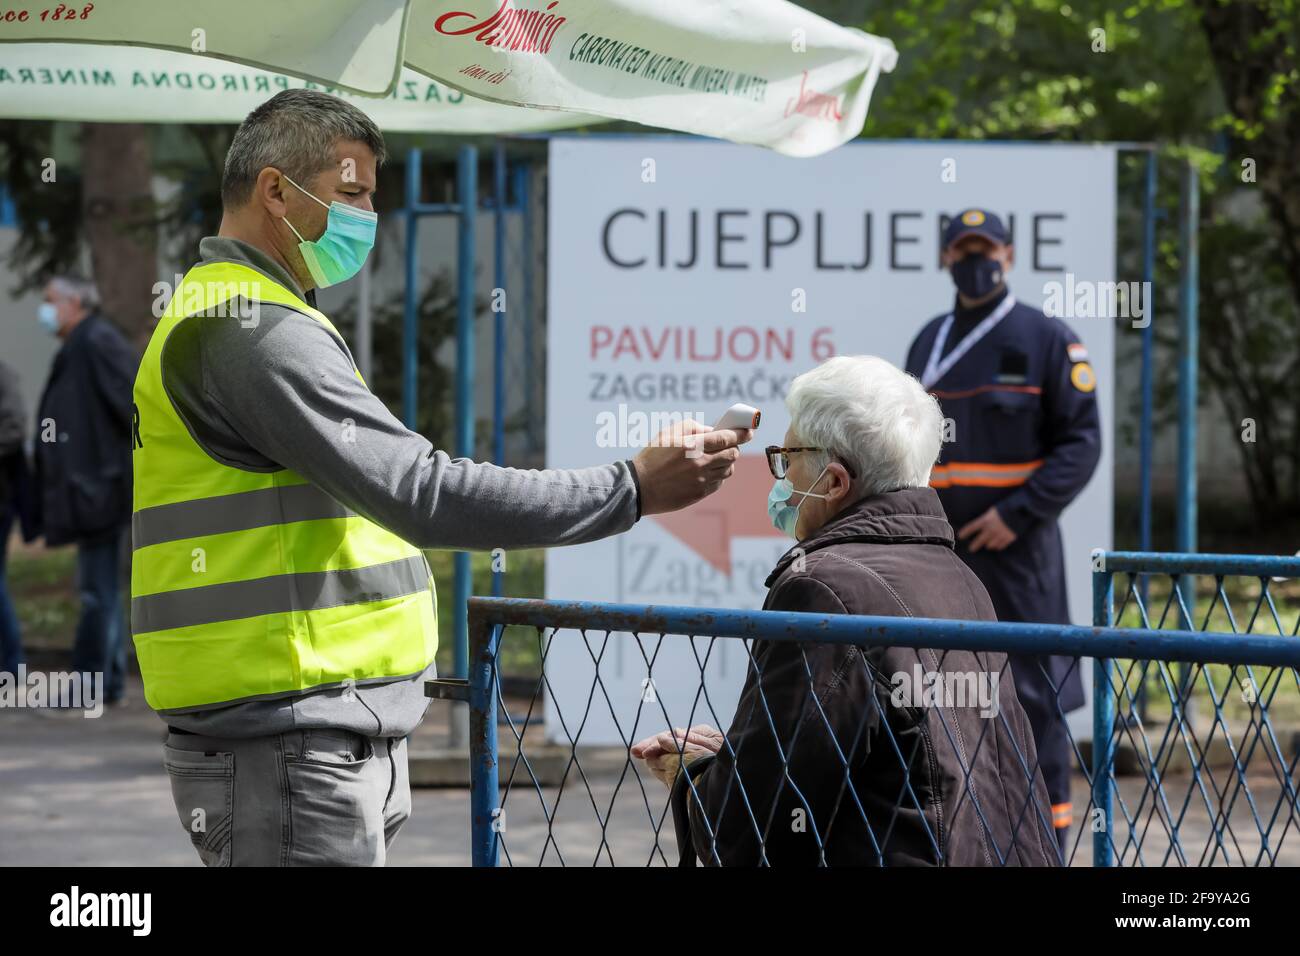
(871, 416)
(294, 131)
(83, 290)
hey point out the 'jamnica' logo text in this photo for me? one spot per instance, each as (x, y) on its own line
(814, 104)
(518, 31)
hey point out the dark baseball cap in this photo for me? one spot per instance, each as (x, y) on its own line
(975, 222)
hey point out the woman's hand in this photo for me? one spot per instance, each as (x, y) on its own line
(667, 752)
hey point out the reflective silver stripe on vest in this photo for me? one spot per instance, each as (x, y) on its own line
(278, 594)
(238, 512)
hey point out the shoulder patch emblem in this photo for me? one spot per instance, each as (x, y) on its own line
(1077, 352)
(1082, 377)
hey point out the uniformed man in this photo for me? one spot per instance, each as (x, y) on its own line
(1024, 439)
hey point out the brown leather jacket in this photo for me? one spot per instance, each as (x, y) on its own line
(872, 769)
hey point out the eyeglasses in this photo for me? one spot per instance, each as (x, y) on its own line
(778, 460)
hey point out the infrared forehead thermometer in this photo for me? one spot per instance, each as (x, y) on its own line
(739, 415)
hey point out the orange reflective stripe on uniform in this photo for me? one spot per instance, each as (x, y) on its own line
(981, 389)
(1062, 815)
(981, 474)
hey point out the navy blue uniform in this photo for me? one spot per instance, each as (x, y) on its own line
(1025, 437)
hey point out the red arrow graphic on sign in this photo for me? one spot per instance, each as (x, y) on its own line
(736, 510)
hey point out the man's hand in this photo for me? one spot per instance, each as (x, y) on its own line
(685, 463)
(666, 753)
(989, 531)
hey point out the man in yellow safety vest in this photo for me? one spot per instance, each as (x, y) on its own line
(282, 609)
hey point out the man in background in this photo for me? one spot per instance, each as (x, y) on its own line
(83, 466)
(12, 432)
(1019, 393)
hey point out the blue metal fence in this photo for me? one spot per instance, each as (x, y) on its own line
(594, 796)
(1222, 739)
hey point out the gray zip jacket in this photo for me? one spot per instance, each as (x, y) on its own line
(283, 394)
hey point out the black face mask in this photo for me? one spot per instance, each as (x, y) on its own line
(976, 275)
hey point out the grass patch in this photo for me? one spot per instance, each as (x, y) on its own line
(1239, 607)
(42, 584)
(524, 576)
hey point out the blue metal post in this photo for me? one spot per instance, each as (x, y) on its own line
(499, 288)
(1103, 722)
(1147, 427)
(1187, 359)
(410, 326)
(467, 201)
(1148, 348)
(526, 311)
(499, 319)
(1188, 328)
(484, 789)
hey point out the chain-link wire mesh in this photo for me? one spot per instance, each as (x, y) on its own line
(1202, 756)
(853, 741)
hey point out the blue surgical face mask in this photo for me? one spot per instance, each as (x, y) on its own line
(785, 516)
(48, 315)
(342, 249)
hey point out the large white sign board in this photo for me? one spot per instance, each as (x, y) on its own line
(676, 271)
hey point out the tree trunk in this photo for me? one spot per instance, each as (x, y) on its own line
(1252, 43)
(120, 223)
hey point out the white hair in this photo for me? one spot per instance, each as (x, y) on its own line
(83, 290)
(871, 416)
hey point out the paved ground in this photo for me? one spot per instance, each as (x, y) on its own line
(84, 792)
(79, 792)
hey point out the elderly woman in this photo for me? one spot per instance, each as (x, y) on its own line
(843, 754)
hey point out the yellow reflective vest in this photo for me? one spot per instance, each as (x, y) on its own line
(251, 584)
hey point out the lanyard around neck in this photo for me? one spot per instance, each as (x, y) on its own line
(935, 368)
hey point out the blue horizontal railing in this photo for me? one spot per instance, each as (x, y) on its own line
(1069, 640)
(1231, 565)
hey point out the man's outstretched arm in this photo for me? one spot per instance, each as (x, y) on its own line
(287, 389)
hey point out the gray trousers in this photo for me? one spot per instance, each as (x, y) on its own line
(302, 798)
